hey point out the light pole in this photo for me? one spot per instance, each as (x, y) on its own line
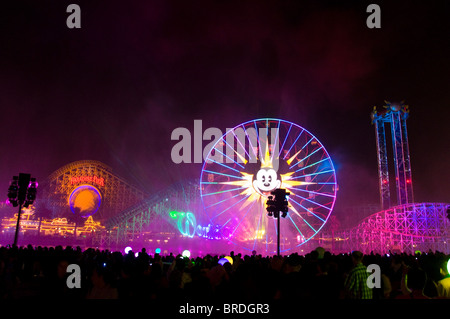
(274, 207)
(21, 192)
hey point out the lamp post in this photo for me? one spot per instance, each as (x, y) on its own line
(22, 193)
(274, 207)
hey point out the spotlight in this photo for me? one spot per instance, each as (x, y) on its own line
(127, 249)
(284, 210)
(31, 192)
(22, 193)
(13, 191)
(270, 206)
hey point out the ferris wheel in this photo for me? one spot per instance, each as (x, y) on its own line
(251, 160)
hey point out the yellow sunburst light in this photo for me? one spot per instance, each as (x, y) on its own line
(266, 163)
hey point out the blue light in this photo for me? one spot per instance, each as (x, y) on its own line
(158, 250)
(222, 261)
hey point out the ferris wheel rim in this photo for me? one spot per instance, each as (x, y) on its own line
(326, 158)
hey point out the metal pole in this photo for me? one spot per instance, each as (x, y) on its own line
(278, 235)
(17, 225)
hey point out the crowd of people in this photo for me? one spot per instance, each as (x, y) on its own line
(41, 272)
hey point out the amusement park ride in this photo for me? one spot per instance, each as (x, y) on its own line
(394, 115)
(405, 226)
(226, 208)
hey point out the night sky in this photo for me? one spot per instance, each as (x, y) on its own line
(114, 90)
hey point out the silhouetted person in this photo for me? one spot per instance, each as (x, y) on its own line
(101, 287)
(394, 273)
(413, 283)
(443, 285)
(199, 289)
(55, 284)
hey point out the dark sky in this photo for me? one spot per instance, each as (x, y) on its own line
(114, 90)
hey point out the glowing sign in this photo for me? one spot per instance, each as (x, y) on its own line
(91, 179)
(186, 222)
(85, 200)
(203, 231)
(187, 225)
(211, 232)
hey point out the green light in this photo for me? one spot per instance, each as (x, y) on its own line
(448, 266)
(186, 222)
(173, 214)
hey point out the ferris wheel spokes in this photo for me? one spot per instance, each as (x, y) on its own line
(260, 155)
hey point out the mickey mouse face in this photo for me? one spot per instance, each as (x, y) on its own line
(266, 180)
